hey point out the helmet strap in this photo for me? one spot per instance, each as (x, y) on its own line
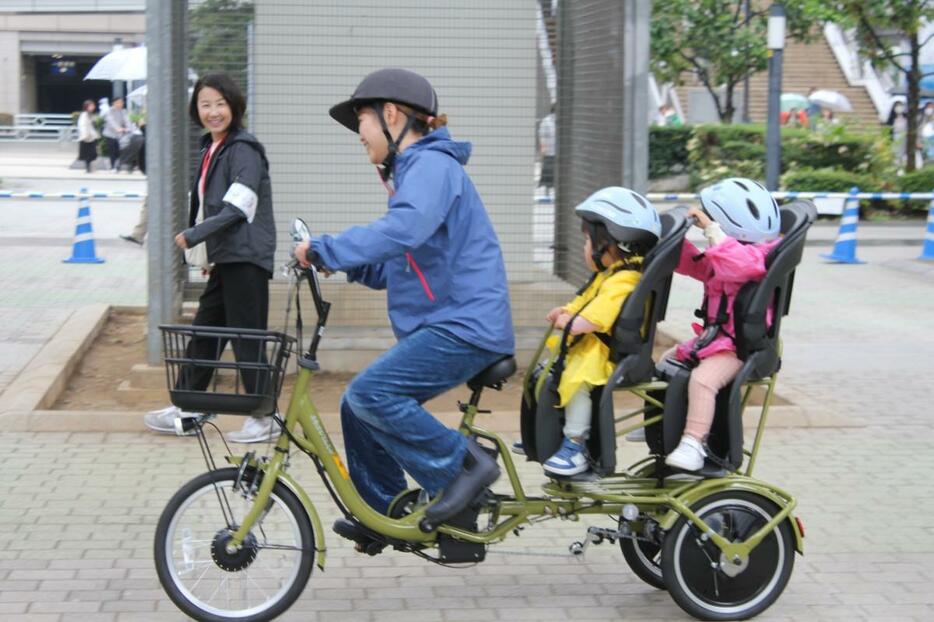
(596, 254)
(385, 167)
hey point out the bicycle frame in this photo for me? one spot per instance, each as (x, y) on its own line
(664, 500)
(564, 499)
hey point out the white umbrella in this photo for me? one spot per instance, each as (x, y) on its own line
(124, 64)
(832, 100)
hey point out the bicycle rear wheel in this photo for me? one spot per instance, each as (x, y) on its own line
(261, 579)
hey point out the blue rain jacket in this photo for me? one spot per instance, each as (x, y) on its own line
(434, 251)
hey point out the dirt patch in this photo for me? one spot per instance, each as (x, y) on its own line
(121, 344)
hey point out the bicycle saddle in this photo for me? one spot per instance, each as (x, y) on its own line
(494, 375)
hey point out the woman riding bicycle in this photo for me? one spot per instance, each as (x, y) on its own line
(436, 254)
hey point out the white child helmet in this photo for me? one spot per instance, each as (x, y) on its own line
(629, 217)
(743, 208)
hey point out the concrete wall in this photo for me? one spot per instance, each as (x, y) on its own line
(84, 33)
(479, 54)
(10, 72)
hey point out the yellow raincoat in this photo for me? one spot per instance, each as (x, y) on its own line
(588, 361)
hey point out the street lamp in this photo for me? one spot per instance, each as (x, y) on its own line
(773, 139)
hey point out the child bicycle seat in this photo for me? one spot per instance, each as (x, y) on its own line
(631, 341)
(757, 345)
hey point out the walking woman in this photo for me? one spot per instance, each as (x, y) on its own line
(87, 135)
(231, 215)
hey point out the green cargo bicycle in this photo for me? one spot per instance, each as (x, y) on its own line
(240, 542)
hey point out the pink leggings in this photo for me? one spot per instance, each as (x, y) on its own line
(713, 373)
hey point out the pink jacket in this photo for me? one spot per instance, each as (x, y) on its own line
(723, 269)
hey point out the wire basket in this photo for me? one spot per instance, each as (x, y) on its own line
(200, 380)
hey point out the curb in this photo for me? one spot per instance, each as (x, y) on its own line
(45, 377)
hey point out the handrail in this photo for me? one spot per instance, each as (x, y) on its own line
(858, 73)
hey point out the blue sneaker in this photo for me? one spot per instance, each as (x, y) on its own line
(518, 448)
(568, 460)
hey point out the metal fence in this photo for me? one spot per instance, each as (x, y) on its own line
(601, 113)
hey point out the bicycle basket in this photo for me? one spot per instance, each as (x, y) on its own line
(200, 380)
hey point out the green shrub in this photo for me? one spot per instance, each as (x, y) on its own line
(668, 151)
(718, 151)
(921, 180)
(827, 180)
(739, 150)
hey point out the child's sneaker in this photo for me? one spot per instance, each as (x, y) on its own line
(689, 455)
(568, 460)
(518, 448)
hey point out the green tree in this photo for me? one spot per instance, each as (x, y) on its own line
(884, 29)
(218, 38)
(721, 42)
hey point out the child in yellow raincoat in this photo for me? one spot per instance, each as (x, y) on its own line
(619, 226)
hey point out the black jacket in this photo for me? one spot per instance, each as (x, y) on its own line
(230, 238)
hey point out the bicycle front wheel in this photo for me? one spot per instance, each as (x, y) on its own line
(209, 580)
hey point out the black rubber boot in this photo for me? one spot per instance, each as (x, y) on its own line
(479, 471)
(352, 530)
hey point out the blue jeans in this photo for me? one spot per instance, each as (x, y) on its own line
(386, 430)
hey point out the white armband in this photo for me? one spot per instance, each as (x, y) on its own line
(243, 198)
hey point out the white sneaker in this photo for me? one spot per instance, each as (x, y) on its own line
(255, 430)
(164, 420)
(688, 455)
(636, 436)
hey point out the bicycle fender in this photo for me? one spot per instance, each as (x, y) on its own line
(774, 494)
(320, 546)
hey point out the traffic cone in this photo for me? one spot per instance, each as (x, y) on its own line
(844, 250)
(82, 251)
(927, 251)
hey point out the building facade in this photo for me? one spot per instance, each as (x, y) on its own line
(48, 46)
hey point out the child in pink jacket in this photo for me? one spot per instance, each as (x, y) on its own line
(740, 221)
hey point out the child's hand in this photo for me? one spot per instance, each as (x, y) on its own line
(701, 220)
(562, 320)
(553, 315)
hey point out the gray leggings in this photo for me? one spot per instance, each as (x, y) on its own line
(577, 413)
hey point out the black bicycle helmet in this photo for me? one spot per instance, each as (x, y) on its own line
(395, 85)
(389, 85)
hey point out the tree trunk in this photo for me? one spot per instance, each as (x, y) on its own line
(729, 111)
(914, 97)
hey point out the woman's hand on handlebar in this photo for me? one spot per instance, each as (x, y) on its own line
(300, 251)
(301, 255)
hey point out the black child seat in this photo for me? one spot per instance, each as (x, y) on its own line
(631, 342)
(757, 345)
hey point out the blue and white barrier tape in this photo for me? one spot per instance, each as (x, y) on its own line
(4, 194)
